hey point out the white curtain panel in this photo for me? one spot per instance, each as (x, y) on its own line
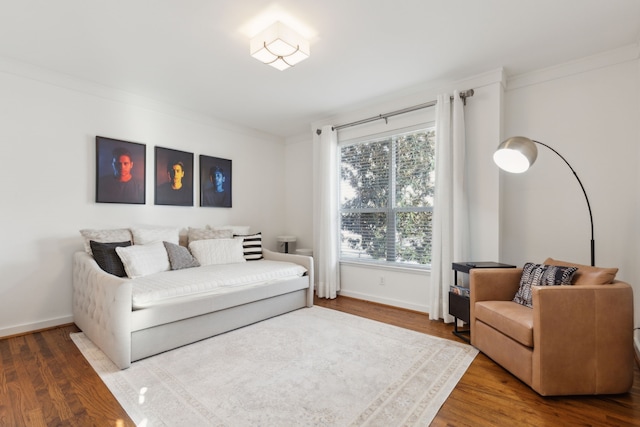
(461, 213)
(325, 213)
(450, 238)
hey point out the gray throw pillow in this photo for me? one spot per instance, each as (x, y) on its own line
(180, 257)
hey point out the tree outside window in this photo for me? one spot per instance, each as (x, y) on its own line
(386, 198)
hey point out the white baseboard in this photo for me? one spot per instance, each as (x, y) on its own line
(386, 301)
(36, 326)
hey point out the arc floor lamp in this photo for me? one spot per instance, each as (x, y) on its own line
(518, 153)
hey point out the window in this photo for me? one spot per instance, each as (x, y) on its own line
(386, 199)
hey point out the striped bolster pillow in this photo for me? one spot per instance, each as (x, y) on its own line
(251, 246)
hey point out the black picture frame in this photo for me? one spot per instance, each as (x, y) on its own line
(120, 171)
(216, 193)
(169, 163)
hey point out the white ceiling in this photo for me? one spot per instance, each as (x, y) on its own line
(194, 53)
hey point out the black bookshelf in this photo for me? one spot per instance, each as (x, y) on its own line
(459, 298)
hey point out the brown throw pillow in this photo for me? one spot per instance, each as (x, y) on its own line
(586, 274)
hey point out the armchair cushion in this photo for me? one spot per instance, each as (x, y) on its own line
(587, 275)
(513, 320)
(541, 275)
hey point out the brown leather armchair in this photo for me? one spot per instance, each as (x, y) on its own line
(576, 340)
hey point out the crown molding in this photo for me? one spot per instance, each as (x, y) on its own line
(594, 62)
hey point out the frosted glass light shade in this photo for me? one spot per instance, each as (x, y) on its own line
(516, 154)
(279, 46)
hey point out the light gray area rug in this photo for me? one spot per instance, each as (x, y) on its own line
(310, 367)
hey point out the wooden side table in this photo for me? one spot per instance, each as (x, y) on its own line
(459, 302)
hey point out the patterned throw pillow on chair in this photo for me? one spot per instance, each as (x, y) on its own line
(541, 275)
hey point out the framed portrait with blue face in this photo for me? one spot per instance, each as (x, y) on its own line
(120, 171)
(215, 182)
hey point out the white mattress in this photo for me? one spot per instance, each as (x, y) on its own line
(169, 286)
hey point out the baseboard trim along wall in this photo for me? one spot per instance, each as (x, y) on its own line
(36, 326)
(386, 301)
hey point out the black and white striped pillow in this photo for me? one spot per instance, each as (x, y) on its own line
(251, 246)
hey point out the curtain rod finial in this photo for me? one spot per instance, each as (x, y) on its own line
(318, 131)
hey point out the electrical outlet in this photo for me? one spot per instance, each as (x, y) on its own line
(381, 281)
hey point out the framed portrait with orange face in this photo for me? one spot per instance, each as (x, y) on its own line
(120, 171)
(174, 177)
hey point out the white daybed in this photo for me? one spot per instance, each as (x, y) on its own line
(104, 309)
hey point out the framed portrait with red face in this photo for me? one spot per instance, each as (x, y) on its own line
(120, 171)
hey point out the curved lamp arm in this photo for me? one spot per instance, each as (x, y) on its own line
(527, 154)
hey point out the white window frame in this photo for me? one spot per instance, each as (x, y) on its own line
(391, 210)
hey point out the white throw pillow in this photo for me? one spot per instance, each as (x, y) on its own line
(206, 233)
(144, 235)
(217, 251)
(104, 236)
(235, 229)
(142, 260)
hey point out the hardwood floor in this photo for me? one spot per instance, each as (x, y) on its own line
(45, 381)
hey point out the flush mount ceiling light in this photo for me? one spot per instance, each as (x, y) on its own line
(279, 46)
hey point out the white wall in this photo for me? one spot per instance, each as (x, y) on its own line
(589, 111)
(47, 146)
(298, 191)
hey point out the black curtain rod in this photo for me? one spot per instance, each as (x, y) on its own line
(463, 95)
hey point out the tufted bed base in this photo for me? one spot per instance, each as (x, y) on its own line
(102, 309)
